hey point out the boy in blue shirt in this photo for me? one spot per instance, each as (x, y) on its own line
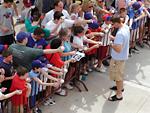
(135, 14)
(34, 74)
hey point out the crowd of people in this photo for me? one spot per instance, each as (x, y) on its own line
(63, 40)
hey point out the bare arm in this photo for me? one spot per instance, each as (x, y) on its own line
(117, 47)
(9, 78)
(2, 97)
(48, 76)
(140, 17)
(68, 53)
(48, 51)
(42, 83)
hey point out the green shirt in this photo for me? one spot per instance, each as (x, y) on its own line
(23, 55)
(31, 28)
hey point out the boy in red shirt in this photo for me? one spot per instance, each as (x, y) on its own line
(19, 83)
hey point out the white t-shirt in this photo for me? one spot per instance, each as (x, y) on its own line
(50, 16)
(79, 41)
(66, 24)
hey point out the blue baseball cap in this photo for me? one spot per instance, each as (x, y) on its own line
(136, 5)
(21, 36)
(37, 64)
(93, 25)
(88, 15)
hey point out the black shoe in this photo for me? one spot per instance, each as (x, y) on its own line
(115, 88)
(38, 110)
(114, 98)
(135, 49)
(105, 63)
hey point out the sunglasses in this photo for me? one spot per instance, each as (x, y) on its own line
(90, 6)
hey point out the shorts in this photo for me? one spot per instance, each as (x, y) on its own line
(8, 39)
(102, 52)
(116, 70)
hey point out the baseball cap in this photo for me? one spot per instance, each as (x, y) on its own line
(136, 5)
(88, 15)
(21, 36)
(37, 63)
(3, 47)
(93, 25)
(106, 17)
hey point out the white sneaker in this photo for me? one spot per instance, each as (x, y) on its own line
(102, 66)
(85, 73)
(100, 69)
(90, 70)
(51, 101)
(68, 86)
(46, 103)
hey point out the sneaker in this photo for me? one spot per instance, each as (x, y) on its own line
(102, 66)
(46, 103)
(130, 52)
(85, 73)
(51, 101)
(62, 92)
(37, 110)
(135, 49)
(68, 86)
(105, 63)
(115, 88)
(100, 69)
(90, 70)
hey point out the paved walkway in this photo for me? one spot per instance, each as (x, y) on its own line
(136, 95)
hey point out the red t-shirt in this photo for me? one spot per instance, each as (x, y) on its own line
(19, 84)
(93, 51)
(54, 59)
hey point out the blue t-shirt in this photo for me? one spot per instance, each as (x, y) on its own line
(68, 48)
(1, 59)
(34, 84)
(122, 38)
(36, 43)
(134, 14)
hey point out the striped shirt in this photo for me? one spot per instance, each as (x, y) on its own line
(106, 39)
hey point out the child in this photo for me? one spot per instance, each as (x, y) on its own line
(103, 50)
(135, 14)
(19, 83)
(124, 16)
(96, 30)
(5, 96)
(55, 59)
(2, 96)
(78, 41)
(34, 74)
